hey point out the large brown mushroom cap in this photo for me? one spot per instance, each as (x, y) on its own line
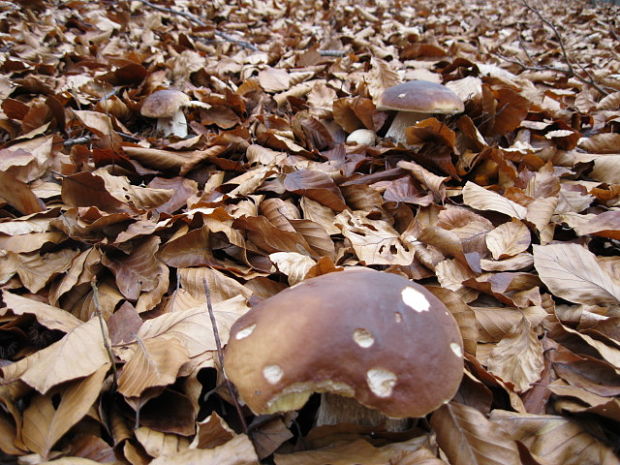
(164, 103)
(374, 336)
(420, 97)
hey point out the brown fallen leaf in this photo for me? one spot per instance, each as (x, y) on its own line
(573, 273)
(46, 420)
(79, 353)
(237, 451)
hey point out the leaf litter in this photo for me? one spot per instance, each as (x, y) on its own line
(110, 228)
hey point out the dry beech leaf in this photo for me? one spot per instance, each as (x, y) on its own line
(212, 432)
(79, 353)
(154, 362)
(361, 452)
(468, 438)
(601, 143)
(518, 357)
(572, 272)
(482, 199)
(237, 451)
(47, 315)
(158, 444)
(375, 242)
(316, 186)
(553, 440)
(294, 265)
(606, 169)
(605, 224)
(46, 420)
(508, 239)
(19, 195)
(380, 77)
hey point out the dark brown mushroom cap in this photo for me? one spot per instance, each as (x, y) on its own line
(420, 97)
(374, 336)
(164, 103)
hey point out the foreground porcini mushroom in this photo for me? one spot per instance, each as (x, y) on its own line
(376, 337)
(167, 106)
(414, 101)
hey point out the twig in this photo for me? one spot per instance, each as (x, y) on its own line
(195, 19)
(77, 140)
(220, 356)
(558, 36)
(106, 342)
(332, 53)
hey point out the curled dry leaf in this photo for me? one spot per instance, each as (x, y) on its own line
(573, 273)
(79, 353)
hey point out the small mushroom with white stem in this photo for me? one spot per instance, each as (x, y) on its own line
(414, 101)
(167, 106)
(381, 346)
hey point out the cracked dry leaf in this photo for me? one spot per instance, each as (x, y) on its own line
(154, 362)
(572, 272)
(375, 242)
(79, 353)
(518, 357)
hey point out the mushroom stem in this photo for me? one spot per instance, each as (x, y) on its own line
(338, 409)
(402, 121)
(175, 125)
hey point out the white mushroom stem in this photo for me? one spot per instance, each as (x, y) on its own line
(177, 124)
(338, 409)
(403, 120)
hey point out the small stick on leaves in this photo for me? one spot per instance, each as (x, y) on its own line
(106, 342)
(220, 357)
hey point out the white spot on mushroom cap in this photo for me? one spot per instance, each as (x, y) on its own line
(381, 382)
(363, 338)
(415, 299)
(245, 332)
(398, 317)
(403, 95)
(273, 373)
(456, 348)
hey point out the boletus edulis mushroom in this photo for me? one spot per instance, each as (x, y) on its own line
(371, 336)
(414, 101)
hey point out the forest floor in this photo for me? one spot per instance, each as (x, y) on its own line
(115, 226)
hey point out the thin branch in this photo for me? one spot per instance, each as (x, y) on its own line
(571, 70)
(106, 342)
(220, 356)
(77, 140)
(195, 19)
(332, 53)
